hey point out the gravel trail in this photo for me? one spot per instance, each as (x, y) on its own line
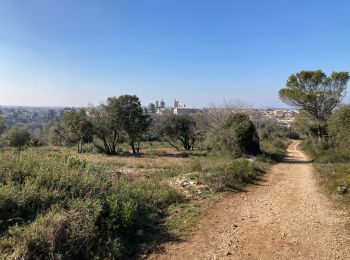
(285, 216)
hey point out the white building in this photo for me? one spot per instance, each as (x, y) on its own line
(184, 110)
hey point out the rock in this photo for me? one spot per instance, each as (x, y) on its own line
(342, 189)
(228, 253)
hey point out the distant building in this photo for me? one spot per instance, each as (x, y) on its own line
(162, 104)
(184, 110)
(176, 103)
(278, 113)
(163, 111)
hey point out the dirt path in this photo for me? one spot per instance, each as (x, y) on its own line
(286, 217)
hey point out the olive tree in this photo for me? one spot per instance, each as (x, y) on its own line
(179, 128)
(120, 116)
(133, 119)
(316, 93)
(106, 128)
(79, 125)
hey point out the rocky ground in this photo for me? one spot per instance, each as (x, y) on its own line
(285, 216)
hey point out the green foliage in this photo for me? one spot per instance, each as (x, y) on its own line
(119, 116)
(2, 125)
(55, 134)
(236, 136)
(107, 127)
(232, 176)
(332, 164)
(306, 125)
(195, 165)
(17, 136)
(79, 125)
(274, 130)
(321, 153)
(54, 204)
(339, 126)
(316, 93)
(335, 175)
(180, 128)
(273, 150)
(133, 119)
(62, 233)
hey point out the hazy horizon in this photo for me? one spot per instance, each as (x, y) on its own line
(75, 53)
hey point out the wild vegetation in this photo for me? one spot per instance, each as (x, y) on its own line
(324, 123)
(59, 201)
(316, 94)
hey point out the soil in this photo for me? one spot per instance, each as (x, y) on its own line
(284, 216)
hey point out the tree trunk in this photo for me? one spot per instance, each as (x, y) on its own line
(138, 146)
(177, 148)
(80, 145)
(133, 147)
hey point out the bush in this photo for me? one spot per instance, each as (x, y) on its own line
(232, 176)
(322, 153)
(237, 136)
(55, 205)
(271, 130)
(69, 233)
(17, 136)
(273, 150)
(338, 127)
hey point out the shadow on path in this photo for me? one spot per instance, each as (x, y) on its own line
(295, 160)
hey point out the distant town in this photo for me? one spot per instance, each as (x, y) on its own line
(36, 118)
(160, 108)
(283, 117)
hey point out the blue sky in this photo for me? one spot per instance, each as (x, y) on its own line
(198, 51)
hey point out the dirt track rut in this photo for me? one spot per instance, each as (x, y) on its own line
(285, 216)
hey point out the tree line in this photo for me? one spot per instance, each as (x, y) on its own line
(123, 120)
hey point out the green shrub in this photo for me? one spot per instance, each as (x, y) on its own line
(61, 233)
(17, 136)
(91, 148)
(236, 136)
(322, 153)
(272, 130)
(339, 125)
(54, 205)
(273, 150)
(232, 176)
(335, 175)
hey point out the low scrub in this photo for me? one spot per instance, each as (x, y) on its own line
(273, 150)
(335, 175)
(333, 164)
(53, 205)
(322, 153)
(232, 176)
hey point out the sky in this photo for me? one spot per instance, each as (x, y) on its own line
(76, 53)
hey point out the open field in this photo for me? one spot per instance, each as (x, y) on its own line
(122, 205)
